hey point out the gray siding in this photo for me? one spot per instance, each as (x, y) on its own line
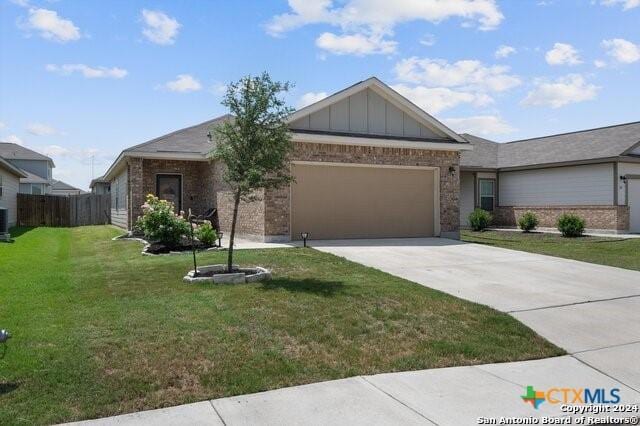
(120, 201)
(37, 167)
(467, 196)
(9, 199)
(560, 186)
(365, 112)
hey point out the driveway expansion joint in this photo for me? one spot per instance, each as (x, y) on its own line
(215, 410)
(606, 374)
(574, 304)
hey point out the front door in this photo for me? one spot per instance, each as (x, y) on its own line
(169, 187)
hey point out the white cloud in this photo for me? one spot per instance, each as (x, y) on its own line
(622, 50)
(428, 40)
(599, 63)
(626, 4)
(183, 83)
(381, 16)
(370, 23)
(355, 44)
(485, 125)
(572, 88)
(50, 26)
(563, 54)
(21, 3)
(504, 51)
(310, 98)
(13, 139)
(159, 27)
(2, 125)
(467, 74)
(437, 99)
(55, 151)
(41, 129)
(87, 71)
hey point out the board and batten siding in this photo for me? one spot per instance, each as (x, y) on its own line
(626, 169)
(365, 112)
(9, 199)
(559, 186)
(119, 201)
(467, 196)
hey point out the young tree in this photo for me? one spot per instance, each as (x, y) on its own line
(254, 144)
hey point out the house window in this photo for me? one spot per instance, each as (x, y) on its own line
(1, 190)
(487, 194)
(36, 189)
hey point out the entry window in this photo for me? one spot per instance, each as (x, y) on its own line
(487, 194)
(169, 187)
(36, 189)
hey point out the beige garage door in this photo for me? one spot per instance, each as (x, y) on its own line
(338, 201)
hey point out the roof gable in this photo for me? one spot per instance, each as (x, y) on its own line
(371, 108)
(12, 151)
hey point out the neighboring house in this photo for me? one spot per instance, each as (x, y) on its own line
(59, 187)
(367, 163)
(593, 173)
(100, 186)
(10, 177)
(37, 167)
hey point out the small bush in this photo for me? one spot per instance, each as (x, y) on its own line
(528, 221)
(480, 219)
(206, 234)
(160, 223)
(571, 225)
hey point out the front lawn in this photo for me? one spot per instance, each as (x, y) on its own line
(623, 253)
(101, 330)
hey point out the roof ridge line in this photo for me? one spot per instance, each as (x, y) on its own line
(573, 132)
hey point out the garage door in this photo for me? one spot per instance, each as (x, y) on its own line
(346, 201)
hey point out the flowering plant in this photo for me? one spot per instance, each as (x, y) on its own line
(160, 223)
(206, 234)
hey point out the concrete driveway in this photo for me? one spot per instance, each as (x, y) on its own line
(592, 311)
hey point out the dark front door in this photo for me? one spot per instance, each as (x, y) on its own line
(169, 187)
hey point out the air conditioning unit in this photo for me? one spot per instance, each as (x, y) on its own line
(4, 224)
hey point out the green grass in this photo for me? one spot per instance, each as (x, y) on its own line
(101, 330)
(623, 253)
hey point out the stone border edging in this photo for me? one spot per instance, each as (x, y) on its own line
(245, 275)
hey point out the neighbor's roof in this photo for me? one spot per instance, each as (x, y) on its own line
(58, 185)
(13, 169)
(32, 178)
(188, 140)
(97, 180)
(12, 151)
(584, 145)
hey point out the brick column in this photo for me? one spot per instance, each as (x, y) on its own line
(135, 188)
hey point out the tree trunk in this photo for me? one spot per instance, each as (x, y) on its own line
(236, 203)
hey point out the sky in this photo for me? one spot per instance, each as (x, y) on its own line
(81, 80)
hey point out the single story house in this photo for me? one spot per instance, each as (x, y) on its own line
(10, 176)
(100, 186)
(593, 173)
(59, 187)
(367, 163)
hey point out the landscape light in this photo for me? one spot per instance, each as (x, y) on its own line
(304, 236)
(220, 234)
(4, 336)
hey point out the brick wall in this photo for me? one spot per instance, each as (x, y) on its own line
(135, 188)
(277, 202)
(597, 217)
(250, 222)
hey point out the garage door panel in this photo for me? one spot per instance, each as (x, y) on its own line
(362, 202)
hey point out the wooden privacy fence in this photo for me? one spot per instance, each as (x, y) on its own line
(72, 210)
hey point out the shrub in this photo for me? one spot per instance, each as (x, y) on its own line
(480, 219)
(206, 234)
(528, 221)
(571, 225)
(160, 223)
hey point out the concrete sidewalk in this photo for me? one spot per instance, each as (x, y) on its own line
(447, 396)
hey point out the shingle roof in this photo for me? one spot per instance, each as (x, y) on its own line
(188, 140)
(63, 186)
(32, 178)
(592, 144)
(13, 169)
(100, 179)
(12, 151)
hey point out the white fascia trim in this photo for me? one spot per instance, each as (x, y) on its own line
(386, 143)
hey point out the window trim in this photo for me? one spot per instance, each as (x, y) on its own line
(494, 196)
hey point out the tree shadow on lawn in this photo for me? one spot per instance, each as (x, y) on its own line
(18, 231)
(306, 285)
(6, 387)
